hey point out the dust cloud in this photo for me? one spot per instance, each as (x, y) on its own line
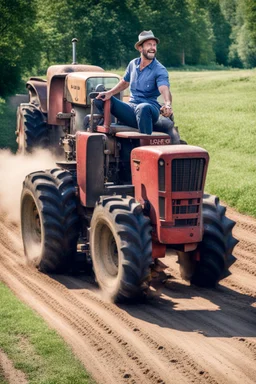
(13, 170)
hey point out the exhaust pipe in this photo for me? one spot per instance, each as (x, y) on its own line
(74, 41)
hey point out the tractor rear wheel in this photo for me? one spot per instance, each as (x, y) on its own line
(49, 220)
(32, 131)
(121, 248)
(215, 250)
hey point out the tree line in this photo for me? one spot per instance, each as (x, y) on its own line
(36, 34)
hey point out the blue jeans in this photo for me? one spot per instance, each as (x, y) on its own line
(142, 116)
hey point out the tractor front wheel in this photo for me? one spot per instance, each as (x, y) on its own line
(211, 261)
(120, 242)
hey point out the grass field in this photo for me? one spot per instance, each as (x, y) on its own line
(217, 111)
(7, 126)
(33, 348)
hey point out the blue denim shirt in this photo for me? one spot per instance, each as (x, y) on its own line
(144, 84)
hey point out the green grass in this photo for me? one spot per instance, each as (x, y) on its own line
(2, 380)
(217, 111)
(34, 348)
(7, 126)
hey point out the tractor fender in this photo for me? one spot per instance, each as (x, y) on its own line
(37, 89)
(90, 166)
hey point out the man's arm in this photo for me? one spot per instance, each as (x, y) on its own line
(166, 109)
(121, 86)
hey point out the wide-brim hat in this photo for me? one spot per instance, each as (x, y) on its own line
(145, 35)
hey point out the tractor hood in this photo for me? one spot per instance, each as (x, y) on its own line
(80, 84)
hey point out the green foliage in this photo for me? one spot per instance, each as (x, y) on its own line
(33, 348)
(250, 15)
(55, 21)
(241, 17)
(246, 48)
(2, 379)
(199, 49)
(19, 43)
(221, 32)
(104, 29)
(7, 126)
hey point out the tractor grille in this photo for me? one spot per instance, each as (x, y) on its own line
(162, 207)
(187, 174)
(161, 175)
(184, 209)
(185, 222)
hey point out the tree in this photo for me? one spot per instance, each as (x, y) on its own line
(241, 17)
(103, 29)
(250, 16)
(221, 31)
(19, 43)
(246, 48)
(201, 39)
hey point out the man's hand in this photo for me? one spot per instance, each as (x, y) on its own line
(121, 86)
(166, 110)
(104, 95)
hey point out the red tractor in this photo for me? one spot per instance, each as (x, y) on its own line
(119, 198)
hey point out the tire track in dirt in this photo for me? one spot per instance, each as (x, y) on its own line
(182, 335)
(86, 324)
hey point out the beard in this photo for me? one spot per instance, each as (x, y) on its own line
(148, 55)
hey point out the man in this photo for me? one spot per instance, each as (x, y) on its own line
(147, 78)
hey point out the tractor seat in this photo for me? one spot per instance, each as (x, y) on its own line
(156, 138)
(122, 131)
(138, 135)
(126, 132)
(114, 128)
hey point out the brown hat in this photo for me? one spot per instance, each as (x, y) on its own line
(145, 35)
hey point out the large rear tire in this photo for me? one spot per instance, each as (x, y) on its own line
(121, 248)
(32, 131)
(215, 250)
(49, 220)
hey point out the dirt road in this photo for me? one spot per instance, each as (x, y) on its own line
(182, 335)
